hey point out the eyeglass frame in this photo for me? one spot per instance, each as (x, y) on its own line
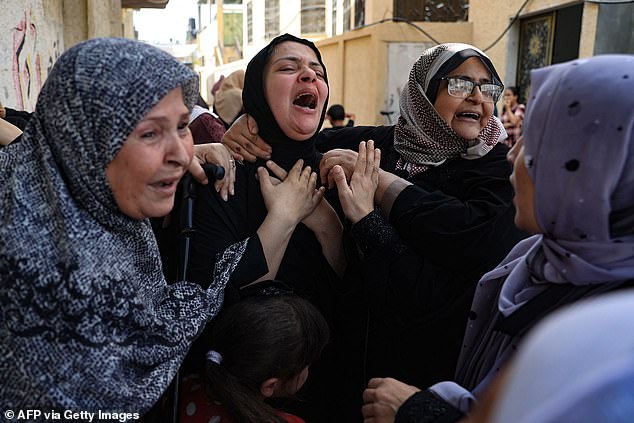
(475, 84)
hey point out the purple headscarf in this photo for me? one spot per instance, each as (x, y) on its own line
(579, 151)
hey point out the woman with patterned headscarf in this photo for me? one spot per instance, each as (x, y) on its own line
(448, 208)
(88, 321)
(574, 188)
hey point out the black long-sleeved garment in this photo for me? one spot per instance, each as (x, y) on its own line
(445, 231)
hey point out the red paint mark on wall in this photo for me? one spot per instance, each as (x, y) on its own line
(27, 62)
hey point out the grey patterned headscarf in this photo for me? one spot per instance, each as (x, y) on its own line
(87, 321)
(579, 151)
(421, 136)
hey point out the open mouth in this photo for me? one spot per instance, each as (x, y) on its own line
(469, 115)
(306, 100)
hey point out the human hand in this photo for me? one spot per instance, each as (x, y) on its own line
(382, 399)
(357, 199)
(346, 159)
(217, 154)
(295, 197)
(243, 141)
(313, 219)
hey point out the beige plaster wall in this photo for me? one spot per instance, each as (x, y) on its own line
(31, 39)
(36, 32)
(75, 23)
(491, 17)
(104, 18)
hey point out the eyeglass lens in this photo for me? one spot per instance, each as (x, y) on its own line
(463, 88)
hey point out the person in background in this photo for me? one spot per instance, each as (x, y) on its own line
(88, 321)
(336, 115)
(261, 348)
(206, 126)
(512, 115)
(228, 98)
(577, 199)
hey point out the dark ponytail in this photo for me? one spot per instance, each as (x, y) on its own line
(260, 338)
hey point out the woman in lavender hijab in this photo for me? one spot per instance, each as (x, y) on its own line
(574, 188)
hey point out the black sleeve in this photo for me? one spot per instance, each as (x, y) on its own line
(441, 225)
(427, 407)
(372, 233)
(396, 278)
(349, 138)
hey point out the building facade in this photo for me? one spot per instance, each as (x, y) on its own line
(370, 45)
(36, 32)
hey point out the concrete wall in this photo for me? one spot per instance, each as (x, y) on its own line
(36, 32)
(31, 40)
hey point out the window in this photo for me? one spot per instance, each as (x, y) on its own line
(271, 18)
(432, 10)
(313, 16)
(334, 18)
(359, 13)
(346, 15)
(250, 22)
(232, 27)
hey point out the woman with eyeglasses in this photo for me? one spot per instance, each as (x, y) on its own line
(572, 175)
(446, 215)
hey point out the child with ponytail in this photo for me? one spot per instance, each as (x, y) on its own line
(261, 348)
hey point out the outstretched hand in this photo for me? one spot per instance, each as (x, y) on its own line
(243, 141)
(357, 199)
(293, 198)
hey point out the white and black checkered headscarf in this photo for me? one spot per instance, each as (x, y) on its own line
(87, 321)
(421, 136)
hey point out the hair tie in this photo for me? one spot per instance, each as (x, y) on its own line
(214, 356)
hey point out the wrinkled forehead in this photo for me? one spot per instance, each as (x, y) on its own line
(294, 51)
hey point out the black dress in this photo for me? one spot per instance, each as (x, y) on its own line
(446, 230)
(333, 389)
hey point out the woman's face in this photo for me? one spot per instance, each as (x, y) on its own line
(524, 187)
(144, 173)
(509, 97)
(295, 89)
(466, 116)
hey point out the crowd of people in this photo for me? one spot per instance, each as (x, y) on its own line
(420, 272)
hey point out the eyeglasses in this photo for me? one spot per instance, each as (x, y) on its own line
(462, 88)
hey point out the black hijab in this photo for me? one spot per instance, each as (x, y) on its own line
(286, 151)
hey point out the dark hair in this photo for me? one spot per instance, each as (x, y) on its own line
(259, 338)
(514, 90)
(336, 112)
